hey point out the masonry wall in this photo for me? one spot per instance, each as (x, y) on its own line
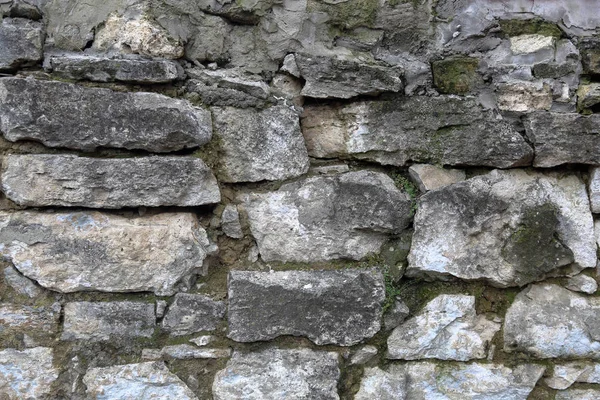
(299, 199)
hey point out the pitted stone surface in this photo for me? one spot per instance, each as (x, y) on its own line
(20, 284)
(444, 130)
(27, 374)
(83, 251)
(548, 321)
(272, 374)
(21, 42)
(148, 380)
(33, 321)
(60, 114)
(324, 217)
(258, 145)
(509, 228)
(105, 321)
(63, 180)
(446, 329)
(191, 313)
(564, 138)
(329, 307)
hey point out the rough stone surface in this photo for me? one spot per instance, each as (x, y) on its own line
(425, 381)
(36, 321)
(343, 78)
(259, 145)
(148, 380)
(508, 228)
(455, 75)
(329, 307)
(189, 352)
(191, 313)
(582, 283)
(102, 322)
(60, 114)
(531, 43)
(21, 42)
(83, 251)
(588, 96)
(594, 189)
(431, 177)
(20, 284)
(548, 321)
(396, 314)
(563, 138)
(446, 329)
(99, 69)
(524, 96)
(363, 355)
(439, 130)
(71, 181)
(578, 394)
(27, 374)
(230, 222)
(323, 218)
(563, 376)
(270, 374)
(203, 340)
(590, 55)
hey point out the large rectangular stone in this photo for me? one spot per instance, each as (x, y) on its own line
(60, 114)
(83, 251)
(71, 181)
(329, 307)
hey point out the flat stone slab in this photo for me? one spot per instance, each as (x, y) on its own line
(329, 307)
(441, 130)
(446, 329)
(273, 374)
(106, 321)
(60, 114)
(426, 381)
(191, 313)
(549, 321)
(87, 251)
(151, 380)
(323, 217)
(21, 42)
(100, 69)
(578, 394)
(39, 180)
(508, 228)
(27, 374)
(563, 138)
(256, 145)
(33, 321)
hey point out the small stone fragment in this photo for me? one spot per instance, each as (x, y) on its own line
(524, 96)
(83, 251)
(60, 114)
(456, 75)
(191, 313)
(329, 307)
(39, 180)
(161, 307)
(151, 380)
(19, 283)
(563, 376)
(588, 96)
(101, 322)
(258, 145)
(363, 355)
(189, 352)
(446, 329)
(21, 42)
(203, 340)
(590, 55)
(230, 222)
(431, 177)
(35, 321)
(396, 314)
(27, 374)
(290, 66)
(274, 374)
(582, 283)
(549, 321)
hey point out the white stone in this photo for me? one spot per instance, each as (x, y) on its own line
(431, 177)
(594, 189)
(582, 283)
(563, 376)
(531, 43)
(27, 374)
(524, 96)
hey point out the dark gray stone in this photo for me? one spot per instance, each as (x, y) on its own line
(21, 42)
(100, 69)
(560, 138)
(71, 181)
(60, 114)
(191, 313)
(329, 307)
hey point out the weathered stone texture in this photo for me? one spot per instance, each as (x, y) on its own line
(270, 374)
(71, 181)
(548, 321)
(594, 189)
(20, 284)
(440, 130)
(508, 228)
(564, 138)
(447, 329)
(148, 380)
(83, 251)
(102, 322)
(34, 321)
(324, 218)
(524, 96)
(431, 177)
(259, 145)
(230, 222)
(191, 313)
(578, 394)
(329, 307)
(582, 283)
(21, 42)
(60, 114)
(564, 375)
(27, 374)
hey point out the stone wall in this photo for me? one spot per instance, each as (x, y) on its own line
(299, 199)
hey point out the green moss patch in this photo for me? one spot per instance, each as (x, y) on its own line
(455, 75)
